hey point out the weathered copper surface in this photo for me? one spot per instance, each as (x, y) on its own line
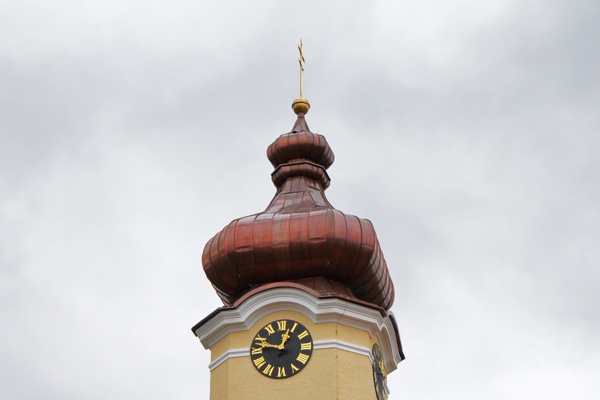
(300, 236)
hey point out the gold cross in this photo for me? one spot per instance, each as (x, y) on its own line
(301, 61)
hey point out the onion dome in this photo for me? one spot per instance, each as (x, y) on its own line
(300, 237)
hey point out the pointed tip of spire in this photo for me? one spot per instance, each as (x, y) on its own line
(300, 105)
(300, 125)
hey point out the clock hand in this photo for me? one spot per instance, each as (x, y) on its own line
(266, 344)
(284, 339)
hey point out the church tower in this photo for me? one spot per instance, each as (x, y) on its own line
(305, 288)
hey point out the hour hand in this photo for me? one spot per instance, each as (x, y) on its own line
(266, 344)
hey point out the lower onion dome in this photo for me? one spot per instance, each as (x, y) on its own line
(300, 235)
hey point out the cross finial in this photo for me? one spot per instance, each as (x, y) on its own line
(300, 105)
(301, 61)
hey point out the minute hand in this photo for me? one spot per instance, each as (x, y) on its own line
(284, 339)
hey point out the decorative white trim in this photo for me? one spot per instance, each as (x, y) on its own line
(234, 353)
(336, 344)
(318, 310)
(318, 345)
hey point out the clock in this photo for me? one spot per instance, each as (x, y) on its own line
(281, 349)
(379, 377)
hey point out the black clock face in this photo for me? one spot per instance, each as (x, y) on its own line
(281, 349)
(379, 377)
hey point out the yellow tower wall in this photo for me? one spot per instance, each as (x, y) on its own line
(330, 374)
(340, 366)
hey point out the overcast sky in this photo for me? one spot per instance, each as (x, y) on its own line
(133, 131)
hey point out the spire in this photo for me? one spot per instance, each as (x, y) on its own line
(300, 238)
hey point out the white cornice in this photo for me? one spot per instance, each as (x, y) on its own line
(318, 310)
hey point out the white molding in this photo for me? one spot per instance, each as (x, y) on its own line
(336, 344)
(234, 353)
(318, 310)
(318, 345)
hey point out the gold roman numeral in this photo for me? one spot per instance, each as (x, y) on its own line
(281, 372)
(269, 329)
(268, 370)
(259, 362)
(303, 335)
(259, 338)
(294, 369)
(257, 350)
(305, 346)
(294, 327)
(303, 358)
(281, 325)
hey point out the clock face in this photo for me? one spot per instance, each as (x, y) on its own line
(379, 377)
(281, 349)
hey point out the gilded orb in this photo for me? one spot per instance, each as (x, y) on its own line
(300, 105)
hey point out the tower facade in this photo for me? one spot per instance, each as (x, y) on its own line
(305, 288)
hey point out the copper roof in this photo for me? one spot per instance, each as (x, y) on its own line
(300, 236)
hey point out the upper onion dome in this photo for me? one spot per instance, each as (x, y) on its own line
(300, 236)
